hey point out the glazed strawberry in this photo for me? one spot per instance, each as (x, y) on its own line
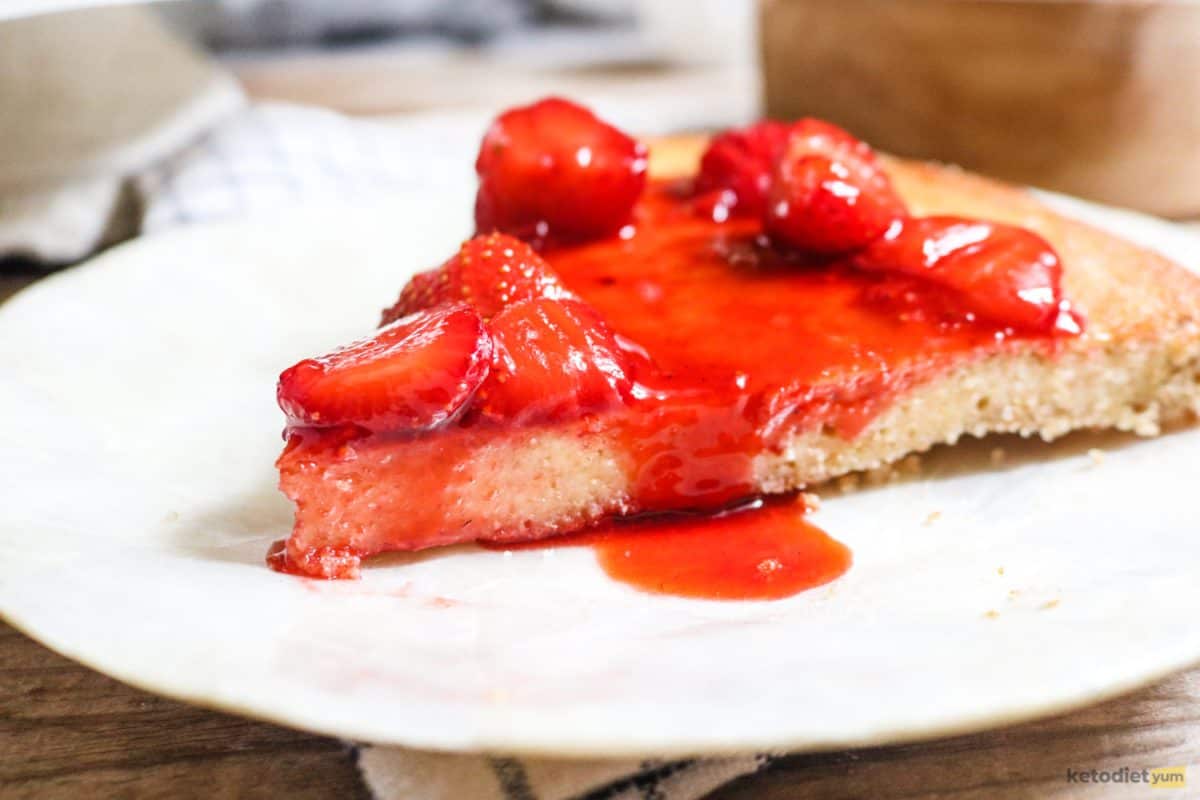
(553, 360)
(414, 374)
(827, 193)
(735, 171)
(1005, 274)
(555, 169)
(488, 271)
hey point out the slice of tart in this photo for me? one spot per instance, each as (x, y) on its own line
(753, 314)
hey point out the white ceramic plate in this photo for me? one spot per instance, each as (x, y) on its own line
(139, 497)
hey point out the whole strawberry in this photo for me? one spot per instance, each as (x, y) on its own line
(489, 272)
(735, 170)
(827, 193)
(555, 170)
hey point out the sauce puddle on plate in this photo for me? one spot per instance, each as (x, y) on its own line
(766, 550)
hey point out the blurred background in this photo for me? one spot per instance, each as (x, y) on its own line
(124, 119)
(390, 56)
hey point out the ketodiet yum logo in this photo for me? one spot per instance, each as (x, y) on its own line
(1158, 778)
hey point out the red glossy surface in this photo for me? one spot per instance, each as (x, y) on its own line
(413, 375)
(999, 272)
(760, 553)
(553, 359)
(326, 562)
(828, 193)
(711, 302)
(738, 345)
(747, 343)
(555, 169)
(735, 171)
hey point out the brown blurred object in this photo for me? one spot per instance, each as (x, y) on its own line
(1099, 98)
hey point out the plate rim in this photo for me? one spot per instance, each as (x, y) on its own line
(1090, 213)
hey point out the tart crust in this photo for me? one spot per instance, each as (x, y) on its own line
(1135, 368)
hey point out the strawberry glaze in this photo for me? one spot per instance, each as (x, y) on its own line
(764, 551)
(738, 346)
(748, 344)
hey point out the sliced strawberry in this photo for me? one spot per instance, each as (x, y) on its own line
(553, 360)
(828, 194)
(414, 374)
(489, 272)
(555, 169)
(735, 170)
(1005, 274)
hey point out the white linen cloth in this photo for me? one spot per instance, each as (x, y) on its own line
(88, 99)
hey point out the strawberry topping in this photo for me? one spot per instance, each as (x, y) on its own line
(553, 360)
(495, 324)
(489, 272)
(414, 374)
(1005, 274)
(735, 171)
(827, 193)
(554, 169)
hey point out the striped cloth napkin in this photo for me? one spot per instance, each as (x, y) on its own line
(393, 773)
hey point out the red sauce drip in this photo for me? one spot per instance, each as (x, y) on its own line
(765, 552)
(277, 558)
(738, 346)
(330, 562)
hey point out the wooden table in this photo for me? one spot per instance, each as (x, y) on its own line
(66, 732)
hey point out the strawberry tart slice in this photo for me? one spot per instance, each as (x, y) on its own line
(636, 330)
